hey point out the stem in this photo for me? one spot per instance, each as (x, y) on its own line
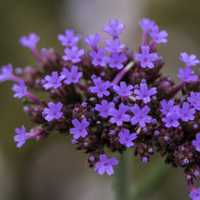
(122, 73)
(150, 183)
(121, 186)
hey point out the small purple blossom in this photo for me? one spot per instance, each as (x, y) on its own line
(123, 89)
(73, 54)
(144, 93)
(99, 57)
(93, 40)
(6, 73)
(20, 136)
(30, 41)
(100, 87)
(146, 58)
(116, 60)
(159, 36)
(187, 113)
(196, 142)
(126, 138)
(53, 111)
(114, 28)
(141, 116)
(187, 75)
(166, 106)
(52, 81)
(114, 46)
(189, 60)
(194, 100)
(118, 116)
(104, 108)
(147, 24)
(71, 76)
(80, 128)
(105, 165)
(68, 39)
(171, 119)
(195, 194)
(20, 90)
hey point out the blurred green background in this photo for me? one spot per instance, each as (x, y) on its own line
(52, 169)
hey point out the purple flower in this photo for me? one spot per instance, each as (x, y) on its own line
(20, 90)
(166, 106)
(72, 76)
(73, 54)
(195, 194)
(126, 138)
(105, 165)
(68, 39)
(52, 81)
(159, 36)
(6, 73)
(104, 108)
(146, 58)
(100, 87)
(99, 57)
(187, 113)
(116, 60)
(20, 136)
(30, 41)
(171, 119)
(147, 24)
(196, 142)
(114, 46)
(79, 129)
(93, 40)
(114, 28)
(53, 111)
(187, 75)
(123, 90)
(189, 60)
(194, 100)
(141, 116)
(144, 93)
(118, 116)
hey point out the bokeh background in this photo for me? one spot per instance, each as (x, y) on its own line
(52, 169)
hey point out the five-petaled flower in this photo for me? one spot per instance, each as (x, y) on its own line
(73, 54)
(189, 60)
(20, 136)
(30, 41)
(20, 90)
(104, 108)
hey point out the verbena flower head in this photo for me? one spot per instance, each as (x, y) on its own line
(53, 111)
(195, 194)
(196, 142)
(6, 73)
(100, 87)
(20, 136)
(68, 39)
(105, 165)
(189, 60)
(73, 54)
(104, 108)
(30, 41)
(114, 28)
(146, 58)
(20, 90)
(126, 138)
(108, 101)
(144, 93)
(52, 81)
(119, 116)
(79, 129)
(141, 116)
(123, 89)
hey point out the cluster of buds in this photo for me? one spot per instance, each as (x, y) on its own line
(110, 99)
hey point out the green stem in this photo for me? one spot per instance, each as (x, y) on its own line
(150, 183)
(121, 186)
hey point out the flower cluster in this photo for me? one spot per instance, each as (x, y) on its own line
(109, 99)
